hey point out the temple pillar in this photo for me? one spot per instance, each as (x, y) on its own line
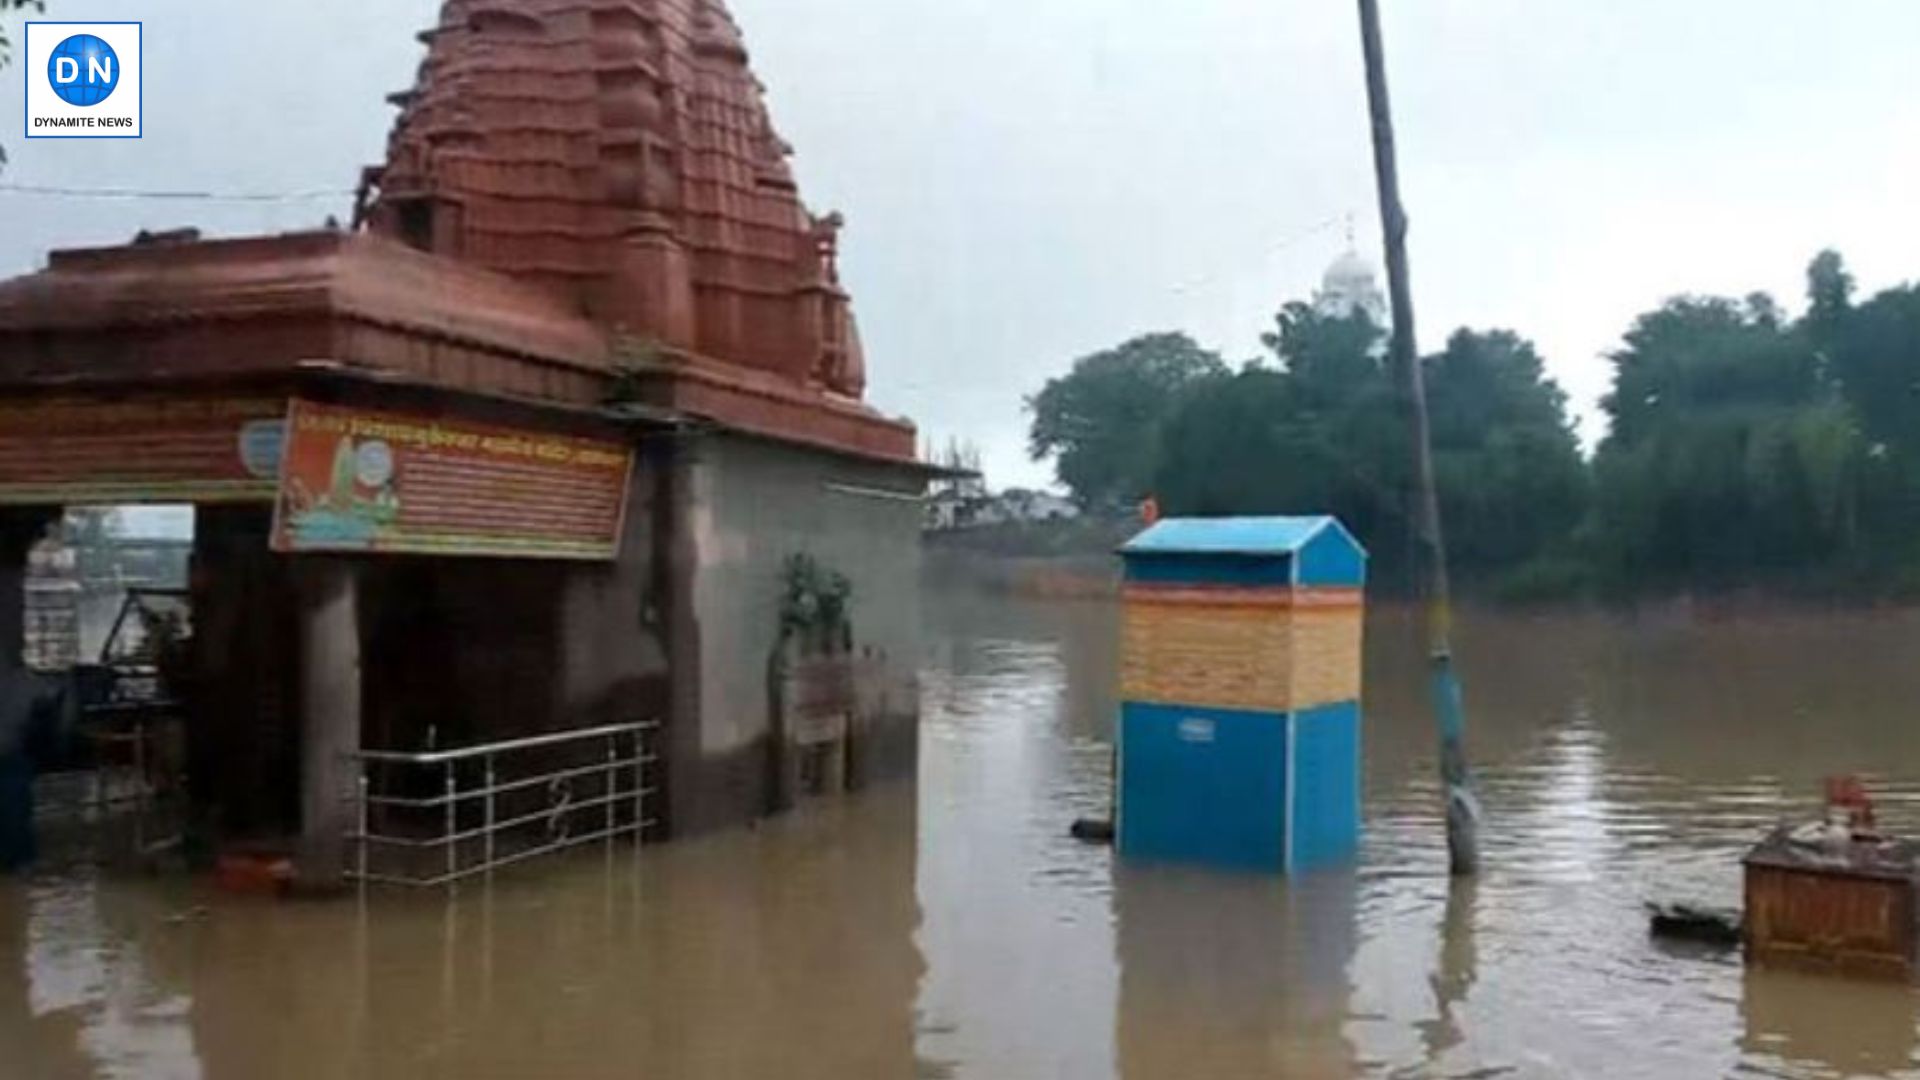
(243, 695)
(330, 701)
(19, 530)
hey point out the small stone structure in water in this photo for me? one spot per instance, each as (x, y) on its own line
(1836, 895)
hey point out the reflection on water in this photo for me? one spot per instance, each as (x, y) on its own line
(956, 932)
(722, 957)
(1233, 976)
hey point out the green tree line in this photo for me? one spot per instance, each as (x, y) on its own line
(1744, 448)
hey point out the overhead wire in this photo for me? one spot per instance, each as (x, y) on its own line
(54, 191)
(1275, 248)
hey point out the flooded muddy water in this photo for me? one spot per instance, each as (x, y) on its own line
(953, 930)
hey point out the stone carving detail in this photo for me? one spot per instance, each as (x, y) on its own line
(620, 153)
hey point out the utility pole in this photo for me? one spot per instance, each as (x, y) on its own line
(1463, 808)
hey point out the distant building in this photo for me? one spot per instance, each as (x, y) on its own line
(1019, 505)
(52, 597)
(75, 587)
(954, 499)
(971, 508)
(1352, 285)
(951, 509)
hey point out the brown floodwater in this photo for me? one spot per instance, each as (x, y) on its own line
(952, 930)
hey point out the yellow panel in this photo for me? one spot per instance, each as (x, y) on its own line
(1230, 658)
(1262, 650)
(1326, 656)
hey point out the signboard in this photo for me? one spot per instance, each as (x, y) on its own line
(361, 480)
(820, 700)
(75, 451)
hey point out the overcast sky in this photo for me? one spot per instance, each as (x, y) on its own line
(1029, 182)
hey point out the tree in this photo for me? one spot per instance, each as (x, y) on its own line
(7, 7)
(1700, 353)
(1102, 421)
(1352, 430)
(1322, 433)
(1829, 293)
(6, 42)
(1732, 459)
(1237, 444)
(1331, 357)
(1874, 359)
(1512, 482)
(1746, 447)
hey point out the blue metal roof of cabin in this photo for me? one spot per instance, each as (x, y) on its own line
(1273, 536)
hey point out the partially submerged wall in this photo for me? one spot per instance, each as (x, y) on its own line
(443, 653)
(686, 627)
(741, 508)
(483, 650)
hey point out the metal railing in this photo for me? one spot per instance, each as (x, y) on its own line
(436, 818)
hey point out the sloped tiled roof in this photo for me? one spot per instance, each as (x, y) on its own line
(358, 276)
(155, 312)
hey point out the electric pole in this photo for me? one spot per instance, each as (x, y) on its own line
(1463, 808)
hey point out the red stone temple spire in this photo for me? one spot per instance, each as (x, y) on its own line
(584, 204)
(619, 154)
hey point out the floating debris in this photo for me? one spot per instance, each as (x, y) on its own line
(1093, 831)
(191, 915)
(1718, 927)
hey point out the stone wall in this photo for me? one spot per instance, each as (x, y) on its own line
(740, 508)
(612, 667)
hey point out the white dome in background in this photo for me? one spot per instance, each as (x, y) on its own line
(1351, 285)
(1350, 269)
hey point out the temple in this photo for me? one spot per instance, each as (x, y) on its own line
(618, 156)
(562, 430)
